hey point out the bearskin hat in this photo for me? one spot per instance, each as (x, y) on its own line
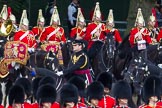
(122, 90)
(69, 93)
(26, 84)
(46, 93)
(95, 91)
(151, 87)
(79, 83)
(16, 94)
(106, 79)
(47, 80)
(35, 85)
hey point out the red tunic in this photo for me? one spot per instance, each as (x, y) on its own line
(116, 34)
(77, 31)
(1, 106)
(53, 34)
(147, 106)
(134, 36)
(107, 102)
(37, 31)
(25, 105)
(159, 103)
(26, 37)
(91, 30)
(159, 37)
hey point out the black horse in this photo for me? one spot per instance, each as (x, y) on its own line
(122, 58)
(108, 52)
(43, 59)
(137, 71)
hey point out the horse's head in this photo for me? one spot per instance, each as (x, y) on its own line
(136, 73)
(51, 62)
(110, 45)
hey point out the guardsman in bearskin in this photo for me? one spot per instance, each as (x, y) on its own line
(106, 79)
(40, 25)
(79, 63)
(79, 31)
(81, 85)
(69, 97)
(16, 97)
(26, 84)
(95, 33)
(24, 34)
(153, 31)
(151, 92)
(46, 97)
(110, 30)
(38, 82)
(139, 33)
(123, 94)
(53, 32)
(35, 86)
(94, 94)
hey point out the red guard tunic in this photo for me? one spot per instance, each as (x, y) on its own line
(147, 106)
(134, 36)
(1, 106)
(159, 103)
(77, 31)
(159, 37)
(116, 34)
(92, 28)
(26, 37)
(107, 102)
(25, 105)
(37, 31)
(53, 34)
